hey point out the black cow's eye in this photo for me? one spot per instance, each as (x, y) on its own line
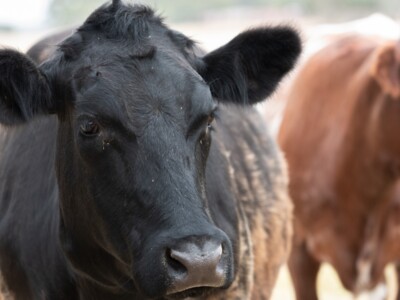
(210, 120)
(89, 128)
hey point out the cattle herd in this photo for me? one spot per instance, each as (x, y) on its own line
(134, 166)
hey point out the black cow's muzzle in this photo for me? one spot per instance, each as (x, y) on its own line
(199, 262)
(191, 260)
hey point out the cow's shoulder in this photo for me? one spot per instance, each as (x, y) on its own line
(258, 180)
(28, 190)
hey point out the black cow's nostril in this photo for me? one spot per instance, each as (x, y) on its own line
(196, 265)
(175, 264)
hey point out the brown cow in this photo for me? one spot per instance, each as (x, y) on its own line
(339, 137)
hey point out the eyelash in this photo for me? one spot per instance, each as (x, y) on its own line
(215, 117)
(210, 120)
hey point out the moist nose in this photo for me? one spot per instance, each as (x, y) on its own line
(197, 264)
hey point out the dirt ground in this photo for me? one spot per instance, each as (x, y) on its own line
(329, 286)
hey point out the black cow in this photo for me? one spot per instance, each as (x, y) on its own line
(110, 186)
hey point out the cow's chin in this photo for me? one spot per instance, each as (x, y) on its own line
(191, 293)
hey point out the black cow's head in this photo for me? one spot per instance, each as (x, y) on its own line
(135, 103)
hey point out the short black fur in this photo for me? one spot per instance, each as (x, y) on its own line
(24, 91)
(97, 216)
(248, 68)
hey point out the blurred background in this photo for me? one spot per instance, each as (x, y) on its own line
(28, 14)
(208, 21)
(212, 23)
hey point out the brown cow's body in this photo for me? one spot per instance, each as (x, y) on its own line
(339, 136)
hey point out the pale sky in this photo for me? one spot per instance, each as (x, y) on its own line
(23, 14)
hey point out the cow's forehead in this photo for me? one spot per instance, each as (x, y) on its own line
(136, 89)
(133, 31)
(142, 63)
(148, 85)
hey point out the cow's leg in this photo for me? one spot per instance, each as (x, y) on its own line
(398, 280)
(379, 292)
(304, 270)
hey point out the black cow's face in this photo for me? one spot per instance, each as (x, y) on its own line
(136, 106)
(140, 131)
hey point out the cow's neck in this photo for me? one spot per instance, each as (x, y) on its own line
(242, 286)
(366, 150)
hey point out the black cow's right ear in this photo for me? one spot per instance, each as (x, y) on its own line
(24, 89)
(248, 68)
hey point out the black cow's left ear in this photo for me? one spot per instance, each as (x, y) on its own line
(24, 89)
(249, 67)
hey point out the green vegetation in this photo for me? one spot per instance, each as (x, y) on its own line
(74, 11)
(71, 11)
(64, 12)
